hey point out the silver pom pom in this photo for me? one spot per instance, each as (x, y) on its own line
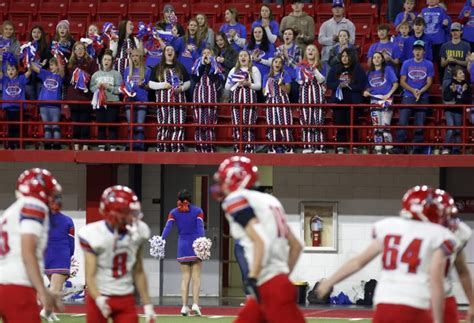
(202, 248)
(74, 269)
(157, 247)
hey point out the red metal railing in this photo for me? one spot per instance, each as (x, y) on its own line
(31, 127)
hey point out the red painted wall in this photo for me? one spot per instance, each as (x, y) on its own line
(99, 177)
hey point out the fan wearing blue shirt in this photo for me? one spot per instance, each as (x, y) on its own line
(416, 78)
(389, 50)
(13, 88)
(51, 90)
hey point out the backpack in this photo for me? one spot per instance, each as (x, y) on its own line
(314, 299)
(369, 289)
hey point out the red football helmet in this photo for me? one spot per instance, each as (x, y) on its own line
(424, 203)
(235, 173)
(38, 183)
(120, 206)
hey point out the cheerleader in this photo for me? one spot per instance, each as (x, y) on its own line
(190, 222)
(382, 83)
(59, 251)
(137, 76)
(170, 81)
(126, 42)
(277, 86)
(208, 77)
(243, 82)
(312, 91)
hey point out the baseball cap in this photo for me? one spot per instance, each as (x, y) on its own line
(419, 43)
(338, 3)
(168, 8)
(456, 26)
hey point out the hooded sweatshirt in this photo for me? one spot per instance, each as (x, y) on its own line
(302, 24)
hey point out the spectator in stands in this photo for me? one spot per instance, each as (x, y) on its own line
(235, 32)
(107, 80)
(394, 7)
(347, 81)
(408, 15)
(382, 84)
(226, 56)
(437, 26)
(402, 38)
(291, 54)
(189, 47)
(466, 17)
(329, 31)
(266, 20)
(458, 91)
(205, 32)
(80, 63)
(137, 76)
(342, 43)
(312, 90)
(261, 52)
(122, 47)
(418, 34)
(13, 88)
(243, 82)
(208, 78)
(390, 51)
(62, 43)
(416, 77)
(8, 41)
(95, 44)
(300, 22)
(38, 36)
(170, 81)
(276, 86)
(170, 20)
(454, 53)
(51, 90)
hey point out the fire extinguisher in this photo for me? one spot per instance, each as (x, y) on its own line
(316, 230)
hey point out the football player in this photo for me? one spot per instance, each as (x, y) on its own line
(113, 256)
(258, 220)
(23, 237)
(457, 260)
(414, 250)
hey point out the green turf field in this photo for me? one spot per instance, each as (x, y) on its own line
(195, 319)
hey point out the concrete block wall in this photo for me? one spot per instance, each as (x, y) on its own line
(364, 195)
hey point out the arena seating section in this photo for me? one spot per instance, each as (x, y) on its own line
(366, 17)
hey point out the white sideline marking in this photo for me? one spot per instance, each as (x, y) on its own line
(356, 319)
(215, 317)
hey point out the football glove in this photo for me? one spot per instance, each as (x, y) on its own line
(101, 302)
(149, 313)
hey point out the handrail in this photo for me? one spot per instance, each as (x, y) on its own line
(29, 117)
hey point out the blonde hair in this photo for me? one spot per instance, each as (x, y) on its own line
(272, 71)
(141, 64)
(73, 59)
(238, 66)
(317, 57)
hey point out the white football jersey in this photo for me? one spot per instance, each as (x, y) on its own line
(408, 247)
(463, 233)
(116, 255)
(272, 228)
(27, 215)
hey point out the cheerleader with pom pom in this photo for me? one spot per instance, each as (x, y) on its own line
(58, 257)
(208, 76)
(277, 86)
(312, 90)
(190, 222)
(170, 81)
(243, 82)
